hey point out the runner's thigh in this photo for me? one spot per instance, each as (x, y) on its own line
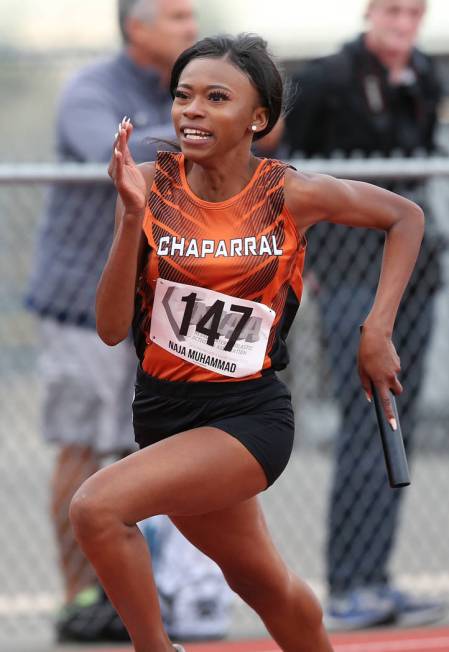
(194, 472)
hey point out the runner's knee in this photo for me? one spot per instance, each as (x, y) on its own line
(90, 515)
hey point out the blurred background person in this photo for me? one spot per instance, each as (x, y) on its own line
(195, 602)
(87, 386)
(378, 94)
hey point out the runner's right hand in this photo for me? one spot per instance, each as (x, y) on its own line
(126, 175)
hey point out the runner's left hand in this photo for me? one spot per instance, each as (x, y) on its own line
(379, 364)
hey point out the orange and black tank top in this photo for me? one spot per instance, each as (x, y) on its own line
(241, 252)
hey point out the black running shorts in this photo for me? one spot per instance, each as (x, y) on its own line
(256, 412)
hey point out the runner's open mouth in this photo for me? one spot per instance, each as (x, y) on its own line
(196, 134)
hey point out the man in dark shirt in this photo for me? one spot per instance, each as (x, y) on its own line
(379, 94)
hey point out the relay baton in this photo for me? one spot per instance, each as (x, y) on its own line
(392, 444)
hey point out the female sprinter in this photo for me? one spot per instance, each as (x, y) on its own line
(206, 261)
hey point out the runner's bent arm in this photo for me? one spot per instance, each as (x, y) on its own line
(117, 286)
(315, 198)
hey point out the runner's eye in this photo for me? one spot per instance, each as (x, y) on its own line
(218, 96)
(182, 95)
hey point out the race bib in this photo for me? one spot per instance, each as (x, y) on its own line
(210, 329)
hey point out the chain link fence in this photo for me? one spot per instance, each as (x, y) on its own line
(30, 585)
(296, 508)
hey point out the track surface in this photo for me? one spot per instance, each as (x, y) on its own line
(405, 640)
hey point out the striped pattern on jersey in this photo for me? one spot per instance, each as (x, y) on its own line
(256, 255)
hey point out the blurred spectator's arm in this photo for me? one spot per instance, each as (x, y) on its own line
(141, 145)
(304, 122)
(88, 121)
(435, 94)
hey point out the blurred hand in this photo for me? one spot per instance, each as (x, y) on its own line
(379, 364)
(125, 173)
